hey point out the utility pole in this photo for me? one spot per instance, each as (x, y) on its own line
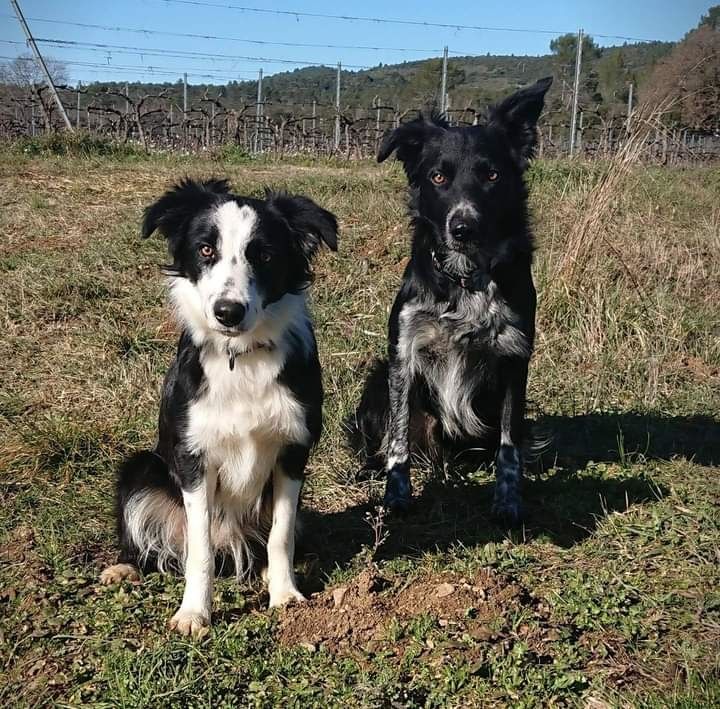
(580, 133)
(258, 113)
(629, 107)
(41, 64)
(185, 101)
(443, 83)
(77, 110)
(376, 100)
(337, 107)
(314, 124)
(573, 119)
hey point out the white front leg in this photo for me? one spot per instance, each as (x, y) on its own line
(194, 614)
(281, 542)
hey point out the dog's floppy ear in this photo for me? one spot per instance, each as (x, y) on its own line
(171, 212)
(313, 224)
(518, 115)
(407, 140)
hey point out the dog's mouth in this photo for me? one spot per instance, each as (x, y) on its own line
(469, 256)
(459, 247)
(237, 331)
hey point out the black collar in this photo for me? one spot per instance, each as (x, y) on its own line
(473, 281)
(269, 346)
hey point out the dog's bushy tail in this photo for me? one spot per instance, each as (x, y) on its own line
(537, 443)
(150, 514)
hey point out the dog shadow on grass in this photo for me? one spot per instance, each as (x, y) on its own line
(566, 493)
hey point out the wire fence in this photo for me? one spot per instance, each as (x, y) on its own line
(160, 121)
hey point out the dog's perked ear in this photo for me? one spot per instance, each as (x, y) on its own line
(171, 212)
(313, 224)
(407, 140)
(517, 117)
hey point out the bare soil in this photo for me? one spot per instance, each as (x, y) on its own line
(367, 611)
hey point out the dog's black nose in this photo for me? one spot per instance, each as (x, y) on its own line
(460, 231)
(229, 312)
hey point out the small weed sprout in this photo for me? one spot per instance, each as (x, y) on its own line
(376, 522)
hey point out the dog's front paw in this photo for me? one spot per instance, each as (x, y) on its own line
(190, 623)
(285, 594)
(119, 572)
(398, 491)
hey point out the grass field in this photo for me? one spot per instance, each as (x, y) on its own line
(609, 596)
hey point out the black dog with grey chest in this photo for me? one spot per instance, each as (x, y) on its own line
(462, 326)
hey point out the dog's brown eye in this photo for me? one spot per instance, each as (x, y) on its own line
(493, 175)
(206, 251)
(438, 178)
(265, 257)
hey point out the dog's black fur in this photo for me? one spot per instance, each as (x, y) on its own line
(462, 327)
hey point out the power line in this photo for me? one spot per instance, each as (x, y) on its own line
(420, 23)
(162, 52)
(218, 57)
(387, 20)
(116, 49)
(159, 70)
(304, 45)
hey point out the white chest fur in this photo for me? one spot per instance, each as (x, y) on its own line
(242, 418)
(457, 350)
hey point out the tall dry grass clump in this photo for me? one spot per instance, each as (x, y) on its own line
(601, 201)
(625, 277)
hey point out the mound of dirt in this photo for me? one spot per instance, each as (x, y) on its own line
(363, 613)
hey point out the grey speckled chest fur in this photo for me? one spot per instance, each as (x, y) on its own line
(449, 346)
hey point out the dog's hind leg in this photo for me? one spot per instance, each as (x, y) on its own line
(507, 503)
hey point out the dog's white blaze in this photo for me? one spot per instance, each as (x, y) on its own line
(235, 226)
(231, 275)
(281, 542)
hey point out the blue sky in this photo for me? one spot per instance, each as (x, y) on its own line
(661, 19)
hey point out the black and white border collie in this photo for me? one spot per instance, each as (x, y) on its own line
(462, 326)
(241, 402)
